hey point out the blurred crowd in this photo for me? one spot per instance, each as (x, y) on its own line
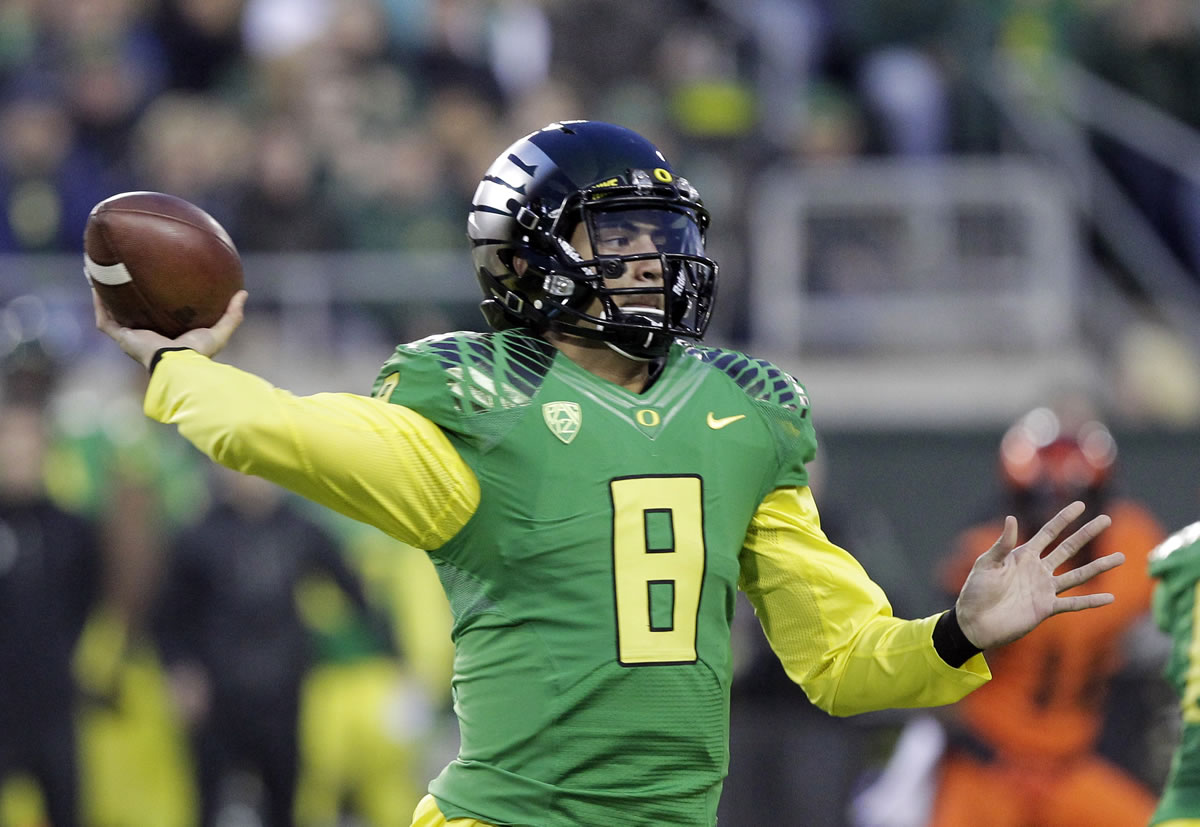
(330, 125)
(365, 124)
(184, 645)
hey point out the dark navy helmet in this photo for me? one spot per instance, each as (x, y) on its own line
(565, 212)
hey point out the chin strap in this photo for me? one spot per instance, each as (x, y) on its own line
(640, 351)
(618, 349)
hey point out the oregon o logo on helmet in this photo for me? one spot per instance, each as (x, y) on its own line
(662, 175)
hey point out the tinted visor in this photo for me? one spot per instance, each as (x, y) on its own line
(644, 232)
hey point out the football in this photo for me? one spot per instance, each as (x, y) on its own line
(159, 262)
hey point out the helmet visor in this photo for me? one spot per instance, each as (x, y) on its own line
(645, 233)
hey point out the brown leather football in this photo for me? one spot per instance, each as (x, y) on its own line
(160, 262)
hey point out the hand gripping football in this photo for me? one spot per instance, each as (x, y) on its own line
(159, 262)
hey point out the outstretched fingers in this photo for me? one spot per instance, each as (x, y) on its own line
(1048, 533)
(1079, 602)
(1069, 547)
(1077, 577)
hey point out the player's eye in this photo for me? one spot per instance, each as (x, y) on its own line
(609, 240)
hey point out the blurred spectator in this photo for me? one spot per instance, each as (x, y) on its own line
(49, 182)
(708, 96)
(137, 483)
(18, 37)
(897, 61)
(791, 42)
(519, 46)
(28, 370)
(234, 644)
(109, 89)
(49, 564)
(456, 53)
(626, 55)
(283, 210)
(536, 107)
(140, 483)
(461, 127)
(282, 29)
(391, 189)
(196, 147)
(202, 40)
(376, 722)
(1027, 743)
(363, 722)
(1147, 47)
(110, 63)
(364, 718)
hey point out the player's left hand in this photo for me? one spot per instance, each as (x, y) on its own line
(1011, 589)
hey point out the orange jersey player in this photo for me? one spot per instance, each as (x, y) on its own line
(1023, 747)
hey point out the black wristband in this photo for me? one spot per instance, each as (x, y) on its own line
(950, 642)
(158, 355)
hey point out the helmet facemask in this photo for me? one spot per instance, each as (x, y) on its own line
(654, 230)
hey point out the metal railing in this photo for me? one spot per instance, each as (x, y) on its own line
(881, 257)
(1055, 125)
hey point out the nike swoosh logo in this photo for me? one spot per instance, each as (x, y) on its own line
(718, 424)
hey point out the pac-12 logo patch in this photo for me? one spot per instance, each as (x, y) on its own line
(563, 419)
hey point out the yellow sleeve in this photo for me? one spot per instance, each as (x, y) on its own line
(383, 464)
(832, 627)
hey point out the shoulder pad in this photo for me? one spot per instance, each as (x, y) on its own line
(780, 397)
(760, 379)
(1161, 557)
(482, 371)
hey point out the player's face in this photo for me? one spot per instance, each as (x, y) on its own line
(627, 233)
(630, 247)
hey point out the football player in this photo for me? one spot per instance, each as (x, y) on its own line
(1027, 742)
(1176, 566)
(593, 486)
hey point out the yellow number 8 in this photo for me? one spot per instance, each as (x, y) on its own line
(658, 567)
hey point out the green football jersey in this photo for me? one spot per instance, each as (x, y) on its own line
(1176, 565)
(594, 587)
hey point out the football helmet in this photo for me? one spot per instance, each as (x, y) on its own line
(609, 185)
(1043, 455)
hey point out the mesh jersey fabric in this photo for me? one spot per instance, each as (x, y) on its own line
(1176, 566)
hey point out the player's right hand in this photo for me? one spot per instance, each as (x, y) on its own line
(141, 345)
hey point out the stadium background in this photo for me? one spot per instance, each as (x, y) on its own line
(936, 216)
